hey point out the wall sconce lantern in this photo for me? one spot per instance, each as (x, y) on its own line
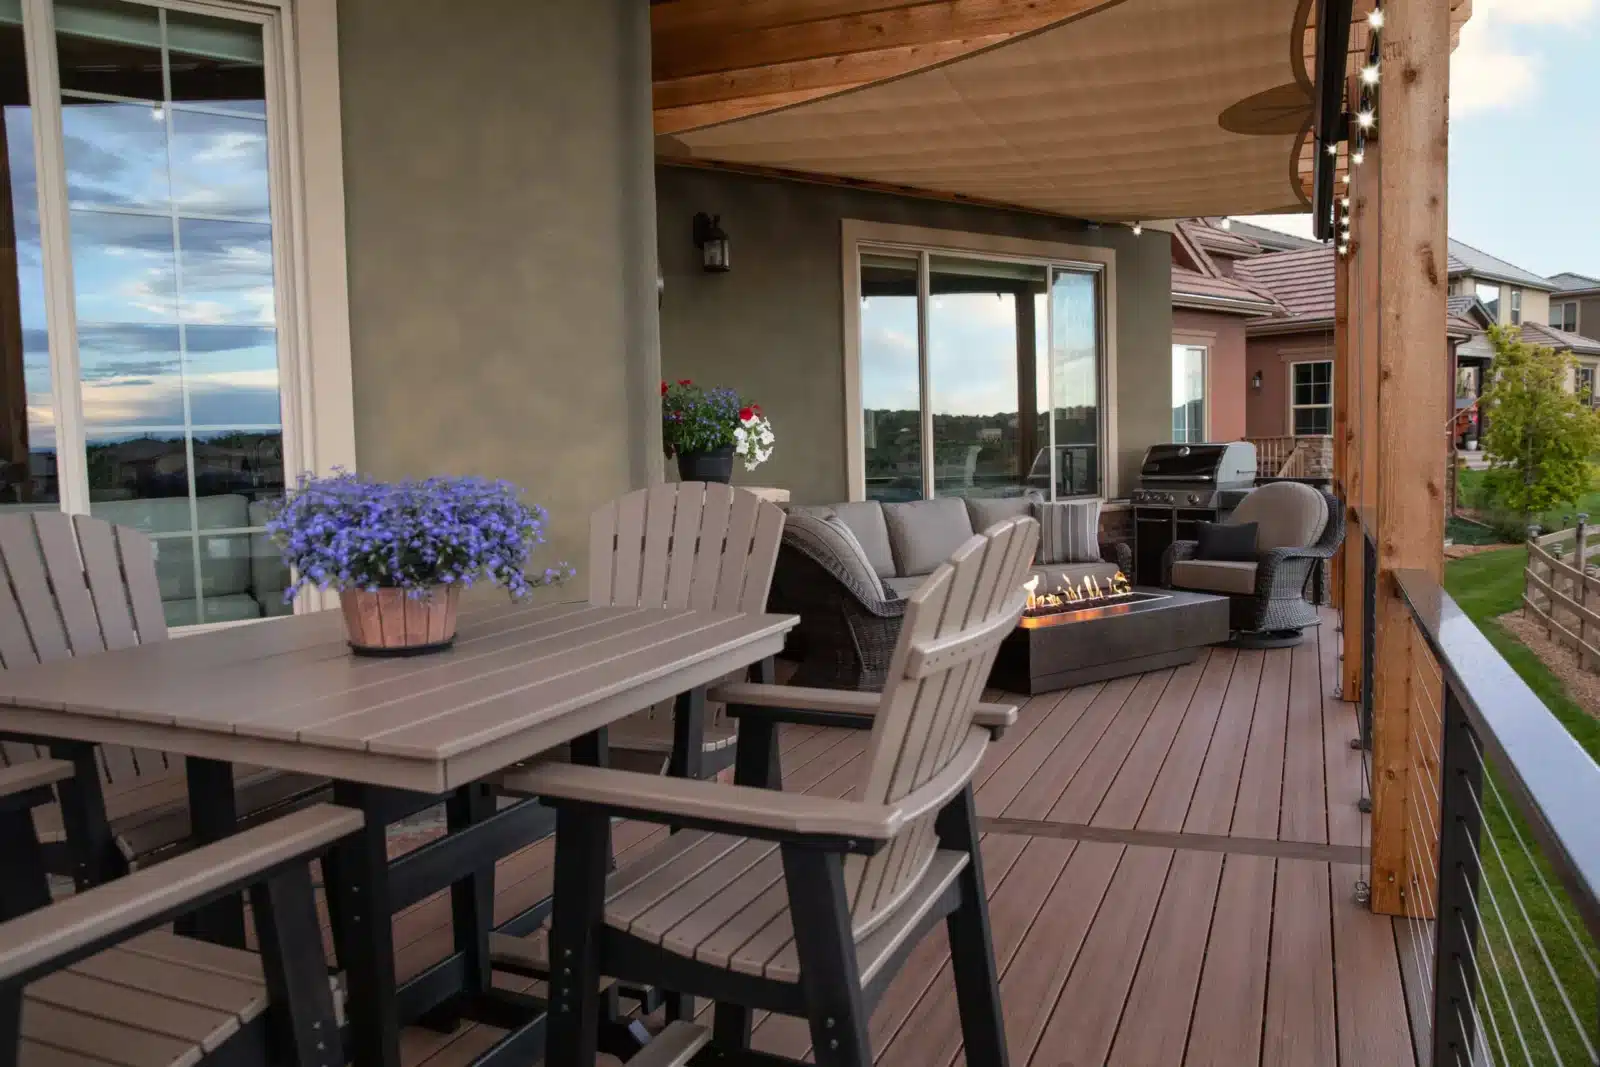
(712, 241)
(1255, 382)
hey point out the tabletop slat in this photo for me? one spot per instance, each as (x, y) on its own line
(288, 695)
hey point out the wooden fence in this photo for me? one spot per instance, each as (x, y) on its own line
(1560, 591)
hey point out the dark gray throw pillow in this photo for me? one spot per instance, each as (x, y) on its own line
(1234, 542)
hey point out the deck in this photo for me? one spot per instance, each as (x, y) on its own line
(1171, 861)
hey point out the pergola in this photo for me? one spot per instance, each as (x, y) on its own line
(1126, 110)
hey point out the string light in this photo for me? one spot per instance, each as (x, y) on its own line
(1357, 157)
(1365, 119)
(1226, 223)
(1375, 20)
(1369, 74)
(1344, 202)
(1333, 150)
(1138, 228)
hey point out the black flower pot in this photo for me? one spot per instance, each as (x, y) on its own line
(714, 466)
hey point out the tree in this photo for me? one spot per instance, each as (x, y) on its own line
(1541, 435)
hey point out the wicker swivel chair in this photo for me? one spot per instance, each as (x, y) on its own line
(1298, 528)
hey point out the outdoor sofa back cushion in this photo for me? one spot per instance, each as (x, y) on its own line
(1069, 531)
(985, 511)
(829, 541)
(925, 533)
(865, 519)
(1289, 515)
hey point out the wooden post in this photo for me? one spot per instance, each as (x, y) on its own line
(1413, 279)
(1580, 588)
(1347, 460)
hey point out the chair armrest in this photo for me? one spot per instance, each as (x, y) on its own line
(845, 708)
(27, 784)
(1118, 552)
(83, 924)
(768, 814)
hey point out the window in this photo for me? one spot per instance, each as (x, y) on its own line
(1311, 398)
(1188, 393)
(152, 237)
(1516, 307)
(979, 374)
(1489, 296)
(1583, 382)
(1564, 316)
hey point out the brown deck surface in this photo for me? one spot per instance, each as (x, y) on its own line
(1170, 861)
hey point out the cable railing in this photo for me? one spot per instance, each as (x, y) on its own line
(1503, 850)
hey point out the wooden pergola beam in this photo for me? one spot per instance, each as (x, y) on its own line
(778, 32)
(1413, 120)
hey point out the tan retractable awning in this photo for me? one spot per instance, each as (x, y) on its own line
(1123, 109)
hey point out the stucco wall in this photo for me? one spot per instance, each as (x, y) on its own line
(773, 327)
(1226, 380)
(1267, 408)
(1588, 313)
(499, 184)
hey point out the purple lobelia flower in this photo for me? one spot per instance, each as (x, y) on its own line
(349, 532)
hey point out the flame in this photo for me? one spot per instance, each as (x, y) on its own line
(1087, 591)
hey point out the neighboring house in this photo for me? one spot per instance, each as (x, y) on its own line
(1271, 240)
(1289, 358)
(1210, 310)
(1513, 296)
(1585, 352)
(1467, 320)
(1575, 305)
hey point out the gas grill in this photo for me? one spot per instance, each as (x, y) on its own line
(1181, 486)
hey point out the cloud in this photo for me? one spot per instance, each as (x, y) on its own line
(1491, 70)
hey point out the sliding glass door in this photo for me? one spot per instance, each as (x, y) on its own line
(979, 375)
(154, 399)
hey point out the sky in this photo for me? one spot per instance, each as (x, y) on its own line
(1524, 135)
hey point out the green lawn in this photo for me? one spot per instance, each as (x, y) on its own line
(1486, 586)
(1470, 494)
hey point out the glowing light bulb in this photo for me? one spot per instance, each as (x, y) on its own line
(1333, 150)
(1226, 223)
(1365, 119)
(1369, 74)
(1357, 157)
(1138, 228)
(1344, 202)
(1375, 20)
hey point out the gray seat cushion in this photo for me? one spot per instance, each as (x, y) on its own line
(925, 533)
(1069, 531)
(865, 519)
(1215, 576)
(1287, 514)
(904, 587)
(830, 542)
(1053, 576)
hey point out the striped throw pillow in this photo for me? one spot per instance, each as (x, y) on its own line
(1069, 531)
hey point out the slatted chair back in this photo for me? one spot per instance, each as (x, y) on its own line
(684, 545)
(954, 624)
(71, 585)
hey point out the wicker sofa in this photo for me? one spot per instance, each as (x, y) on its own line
(846, 570)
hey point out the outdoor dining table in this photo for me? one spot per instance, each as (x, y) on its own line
(396, 736)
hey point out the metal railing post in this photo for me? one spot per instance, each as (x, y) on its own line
(1456, 928)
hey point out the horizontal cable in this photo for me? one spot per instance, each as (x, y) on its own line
(1538, 942)
(1538, 869)
(1516, 959)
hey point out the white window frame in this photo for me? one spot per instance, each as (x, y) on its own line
(1579, 372)
(1516, 307)
(306, 197)
(1293, 407)
(923, 242)
(1205, 384)
(1560, 308)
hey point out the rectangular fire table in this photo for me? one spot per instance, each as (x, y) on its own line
(1151, 629)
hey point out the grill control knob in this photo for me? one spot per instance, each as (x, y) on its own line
(1194, 498)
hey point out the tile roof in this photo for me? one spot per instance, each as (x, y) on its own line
(1571, 281)
(1301, 281)
(1467, 306)
(1192, 289)
(1464, 259)
(1538, 334)
(1271, 240)
(1214, 238)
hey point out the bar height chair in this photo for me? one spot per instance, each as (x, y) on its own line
(791, 903)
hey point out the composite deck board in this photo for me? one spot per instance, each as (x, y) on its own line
(1126, 954)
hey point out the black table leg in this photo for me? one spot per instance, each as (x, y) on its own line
(95, 856)
(688, 734)
(358, 872)
(471, 908)
(212, 817)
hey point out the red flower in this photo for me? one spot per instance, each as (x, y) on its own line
(756, 408)
(663, 388)
(684, 381)
(746, 414)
